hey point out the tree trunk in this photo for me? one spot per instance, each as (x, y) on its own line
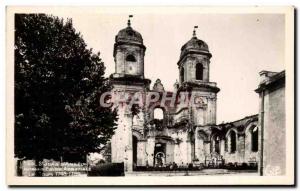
(19, 167)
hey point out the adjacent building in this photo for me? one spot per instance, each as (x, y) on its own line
(272, 121)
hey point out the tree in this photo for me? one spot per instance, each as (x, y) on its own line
(58, 84)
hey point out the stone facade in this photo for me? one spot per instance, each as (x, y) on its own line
(162, 134)
(272, 122)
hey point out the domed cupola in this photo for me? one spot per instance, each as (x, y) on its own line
(194, 61)
(129, 52)
(129, 35)
(194, 45)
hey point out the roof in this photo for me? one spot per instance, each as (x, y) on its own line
(241, 123)
(129, 35)
(194, 45)
(270, 79)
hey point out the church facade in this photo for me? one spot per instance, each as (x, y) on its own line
(171, 133)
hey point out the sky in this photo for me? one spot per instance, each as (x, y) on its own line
(241, 45)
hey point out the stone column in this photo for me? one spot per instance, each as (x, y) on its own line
(177, 159)
(129, 154)
(222, 147)
(200, 150)
(150, 150)
(188, 151)
(183, 152)
(169, 152)
(241, 148)
(197, 144)
(141, 160)
(207, 147)
(119, 139)
(128, 162)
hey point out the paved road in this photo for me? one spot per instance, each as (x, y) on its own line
(196, 173)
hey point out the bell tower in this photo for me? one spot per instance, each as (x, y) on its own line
(128, 79)
(194, 61)
(129, 52)
(193, 68)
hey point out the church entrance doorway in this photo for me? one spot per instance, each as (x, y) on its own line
(159, 154)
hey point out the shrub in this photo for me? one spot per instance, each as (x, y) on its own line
(107, 169)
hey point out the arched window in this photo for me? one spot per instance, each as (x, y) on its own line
(130, 58)
(158, 113)
(182, 75)
(254, 139)
(217, 145)
(199, 71)
(232, 141)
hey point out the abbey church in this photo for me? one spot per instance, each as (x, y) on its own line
(181, 135)
(174, 134)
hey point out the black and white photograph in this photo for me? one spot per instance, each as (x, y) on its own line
(150, 95)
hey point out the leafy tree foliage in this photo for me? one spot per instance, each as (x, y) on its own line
(58, 84)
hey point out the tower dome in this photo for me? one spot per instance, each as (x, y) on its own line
(129, 52)
(194, 61)
(195, 45)
(129, 35)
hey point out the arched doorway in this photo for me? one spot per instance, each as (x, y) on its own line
(217, 145)
(159, 154)
(160, 159)
(231, 142)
